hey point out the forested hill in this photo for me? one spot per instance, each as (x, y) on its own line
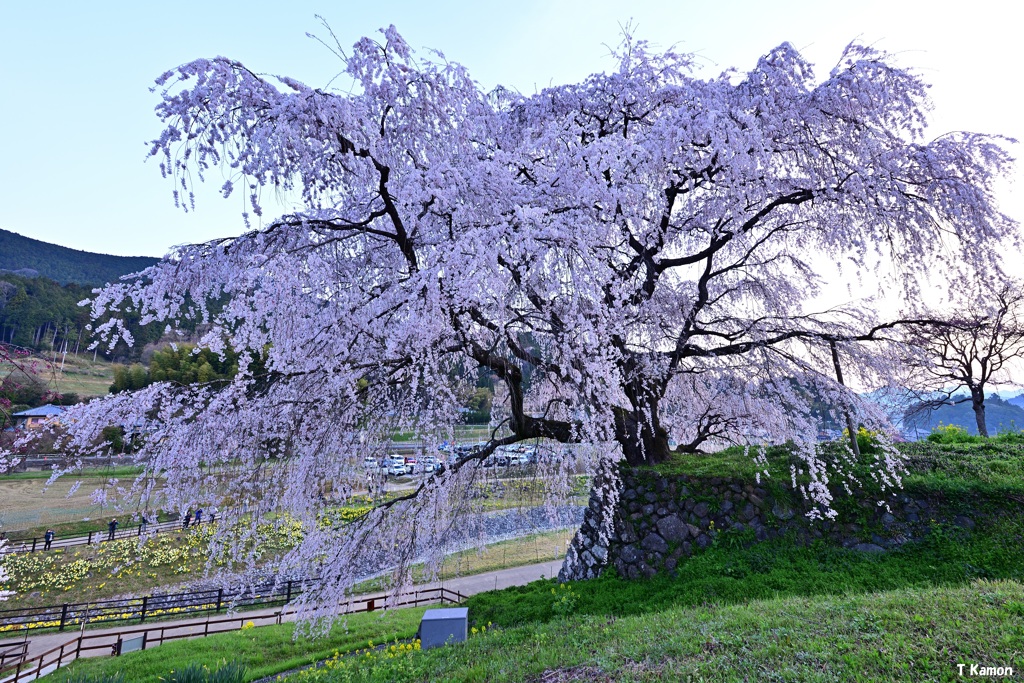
(1000, 416)
(31, 258)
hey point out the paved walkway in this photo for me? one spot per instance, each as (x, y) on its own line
(466, 585)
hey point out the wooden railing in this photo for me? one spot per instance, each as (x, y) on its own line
(12, 653)
(111, 642)
(149, 607)
(38, 543)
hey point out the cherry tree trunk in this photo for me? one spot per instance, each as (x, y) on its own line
(978, 403)
(644, 441)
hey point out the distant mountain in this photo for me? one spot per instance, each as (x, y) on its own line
(32, 258)
(1000, 416)
(1017, 400)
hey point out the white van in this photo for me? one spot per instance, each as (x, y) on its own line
(397, 466)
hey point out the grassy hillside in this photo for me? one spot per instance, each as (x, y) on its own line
(993, 468)
(82, 376)
(774, 611)
(65, 265)
(904, 635)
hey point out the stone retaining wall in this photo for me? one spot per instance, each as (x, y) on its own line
(661, 521)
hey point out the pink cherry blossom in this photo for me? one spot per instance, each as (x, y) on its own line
(631, 257)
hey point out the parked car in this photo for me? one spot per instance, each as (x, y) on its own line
(430, 463)
(412, 465)
(370, 462)
(397, 466)
(518, 459)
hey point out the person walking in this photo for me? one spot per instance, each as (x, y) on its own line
(111, 529)
(143, 524)
(199, 516)
(188, 519)
(47, 539)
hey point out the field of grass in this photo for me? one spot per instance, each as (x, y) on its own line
(264, 651)
(991, 469)
(910, 634)
(903, 635)
(26, 505)
(83, 376)
(728, 574)
(101, 473)
(81, 574)
(463, 434)
(79, 375)
(774, 611)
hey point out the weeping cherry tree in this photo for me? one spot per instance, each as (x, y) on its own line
(635, 259)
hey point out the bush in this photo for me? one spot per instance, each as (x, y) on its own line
(867, 440)
(948, 434)
(1015, 437)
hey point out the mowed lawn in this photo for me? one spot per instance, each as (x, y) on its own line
(26, 503)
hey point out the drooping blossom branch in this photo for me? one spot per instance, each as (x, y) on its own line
(631, 258)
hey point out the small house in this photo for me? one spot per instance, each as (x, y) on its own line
(34, 418)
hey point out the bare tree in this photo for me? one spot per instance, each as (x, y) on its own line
(969, 351)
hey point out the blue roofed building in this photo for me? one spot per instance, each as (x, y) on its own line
(35, 417)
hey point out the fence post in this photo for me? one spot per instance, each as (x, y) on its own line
(34, 544)
(63, 616)
(220, 598)
(145, 603)
(289, 595)
(89, 542)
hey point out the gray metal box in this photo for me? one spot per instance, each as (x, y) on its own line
(443, 626)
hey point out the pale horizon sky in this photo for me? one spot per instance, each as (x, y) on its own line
(77, 110)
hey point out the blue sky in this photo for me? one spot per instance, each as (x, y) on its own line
(76, 110)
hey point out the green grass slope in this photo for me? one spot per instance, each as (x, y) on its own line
(913, 634)
(904, 635)
(773, 611)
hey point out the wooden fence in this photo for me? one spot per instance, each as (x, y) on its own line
(12, 653)
(215, 600)
(113, 643)
(38, 543)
